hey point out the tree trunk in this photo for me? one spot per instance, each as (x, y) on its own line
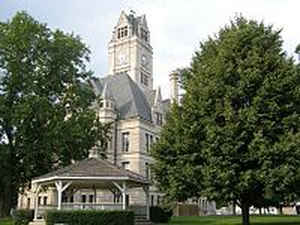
(245, 213)
(5, 203)
(260, 211)
(234, 208)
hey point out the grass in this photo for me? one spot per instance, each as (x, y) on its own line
(218, 220)
(234, 220)
(6, 221)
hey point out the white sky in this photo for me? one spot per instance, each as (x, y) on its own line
(176, 26)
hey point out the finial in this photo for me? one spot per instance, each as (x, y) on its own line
(157, 98)
(132, 12)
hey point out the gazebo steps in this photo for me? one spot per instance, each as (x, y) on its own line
(145, 222)
(142, 220)
(38, 222)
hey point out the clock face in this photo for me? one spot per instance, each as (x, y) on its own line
(122, 58)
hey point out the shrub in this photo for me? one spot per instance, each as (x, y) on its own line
(22, 216)
(160, 215)
(90, 217)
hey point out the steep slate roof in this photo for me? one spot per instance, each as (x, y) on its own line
(166, 105)
(129, 98)
(135, 22)
(92, 167)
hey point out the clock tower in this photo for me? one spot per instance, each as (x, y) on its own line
(130, 51)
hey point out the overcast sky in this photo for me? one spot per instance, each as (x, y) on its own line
(176, 26)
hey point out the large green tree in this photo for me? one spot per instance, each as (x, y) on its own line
(46, 119)
(241, 108)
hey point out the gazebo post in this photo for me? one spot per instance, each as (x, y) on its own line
(95, 195)
(36, 203)
(124, 195)
(58, 185)
(60, 189)
(146, 189)
(123, 191)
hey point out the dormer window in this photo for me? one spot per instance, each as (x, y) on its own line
(159, 119)
(144, 34)
(144, 79)
(122, 32)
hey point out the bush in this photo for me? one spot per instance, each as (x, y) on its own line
(160, 215)
(22, 216)
(90, 217)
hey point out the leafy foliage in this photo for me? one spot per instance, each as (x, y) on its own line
(160, 215)
(240, 115)
(90, 217)
(176, 168)
(46, 119)
(23, 216)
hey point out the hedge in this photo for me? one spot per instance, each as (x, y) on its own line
(22, 216)
(90, 217)
(160, 215)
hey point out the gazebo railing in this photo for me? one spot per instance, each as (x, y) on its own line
(96, 206)
(79, 206)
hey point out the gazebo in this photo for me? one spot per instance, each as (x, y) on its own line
(92, 174)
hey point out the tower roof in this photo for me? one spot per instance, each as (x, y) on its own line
(135, 21)
(106, 93)
(157, 99)
(129, 98)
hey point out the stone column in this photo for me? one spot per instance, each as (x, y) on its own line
(146, 189)
(174, 87)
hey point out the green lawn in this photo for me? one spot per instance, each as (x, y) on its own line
(235, 220)
(219, 220)
(6, 221)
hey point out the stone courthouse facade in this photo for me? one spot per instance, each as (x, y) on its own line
(130, 102)
(135, 109)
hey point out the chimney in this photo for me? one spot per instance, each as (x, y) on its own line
(174, 87)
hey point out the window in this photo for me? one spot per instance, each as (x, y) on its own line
(122, 32)
(149, 141)
(147, 170)
(28, 203)
(125, 165)
(39, 200)
(45, 200)
(144, 34)
(158, 118)
(72, 198)
(127, 199)
(64, 197)
(91, 198)
(158, 199)
(144, 79)
(83, 198)
(152, 200)
(125, 142)
(117, 197)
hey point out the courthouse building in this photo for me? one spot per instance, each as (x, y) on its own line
(135, 109)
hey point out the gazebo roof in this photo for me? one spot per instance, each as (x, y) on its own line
(92, 169)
